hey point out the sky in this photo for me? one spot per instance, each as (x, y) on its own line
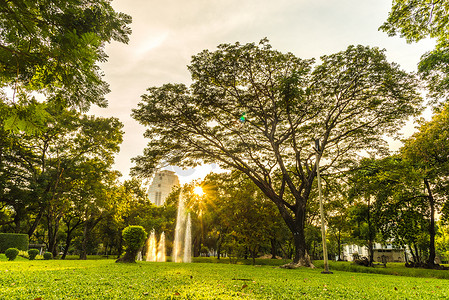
(167, 33)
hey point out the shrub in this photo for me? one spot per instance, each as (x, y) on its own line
(11, 253)
(133, 238)
(13, 240)
(32, 253)
(48, 255)
(24, 254)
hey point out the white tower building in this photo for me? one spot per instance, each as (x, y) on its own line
(162, 185)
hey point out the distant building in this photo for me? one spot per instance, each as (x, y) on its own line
(382, 253)
(162, 185)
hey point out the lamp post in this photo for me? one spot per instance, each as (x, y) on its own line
(323, 227)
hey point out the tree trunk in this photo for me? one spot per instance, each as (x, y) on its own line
(83, 254)
(370, 252)
(129, 257)
(418, 256)
(300, 257)
(36, 221)
(339, 245)
(89, 225)
(431, 260)
(68, 239)
(253, 252)
(273, 248)
(219, 240)
(17, 223)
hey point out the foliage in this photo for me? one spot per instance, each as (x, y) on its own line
(350, 102)
(60, 176)
(54, 49)
(13, 240)
(410, 188)
(417, 20)
(238, 217)
(134, 237)
(11, 253)
(48, 255)
(25, 280)
(427, 151)
(442, 242)
(32, 253)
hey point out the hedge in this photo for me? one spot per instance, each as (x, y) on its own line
(13, 240)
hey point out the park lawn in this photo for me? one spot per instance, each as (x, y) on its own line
(104, 279)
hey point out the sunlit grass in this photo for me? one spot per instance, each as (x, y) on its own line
(104, 279)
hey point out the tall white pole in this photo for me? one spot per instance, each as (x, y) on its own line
(323, 227)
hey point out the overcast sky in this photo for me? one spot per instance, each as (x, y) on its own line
(166, 33)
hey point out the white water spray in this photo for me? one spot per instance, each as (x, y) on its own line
(155, 252)
(182, 245)
(160, 257)
(188, 241)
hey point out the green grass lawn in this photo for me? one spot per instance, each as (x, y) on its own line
(104, 279)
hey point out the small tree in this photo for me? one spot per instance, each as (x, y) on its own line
(133, 238)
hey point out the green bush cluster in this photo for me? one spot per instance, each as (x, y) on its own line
(11, 253)
(48, 255)
(13, 240)
(32, 253)
(134, 237)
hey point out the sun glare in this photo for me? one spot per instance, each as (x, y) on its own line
(198, 190)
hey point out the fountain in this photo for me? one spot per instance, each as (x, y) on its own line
(160, 257)
(151, 247)
(182, 245)
(155, 252)
(188, 241)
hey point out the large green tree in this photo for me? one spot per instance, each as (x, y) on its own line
(259, 111)
(53, 48)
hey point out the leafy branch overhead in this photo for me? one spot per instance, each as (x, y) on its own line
(418, 20)
(349, 101)
(53, 48)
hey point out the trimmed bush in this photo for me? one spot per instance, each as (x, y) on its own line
(133, 237)
(48, 255)
(11, 253)
(13, 240)
(32, 253)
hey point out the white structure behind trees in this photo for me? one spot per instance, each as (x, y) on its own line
(382, 253)
(161, 186)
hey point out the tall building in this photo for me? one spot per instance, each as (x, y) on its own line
(162, 185)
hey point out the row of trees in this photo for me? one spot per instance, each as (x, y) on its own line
(55, 162)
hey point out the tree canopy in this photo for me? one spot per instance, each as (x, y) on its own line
(53, 48)
(417, 20)
(259, 111)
